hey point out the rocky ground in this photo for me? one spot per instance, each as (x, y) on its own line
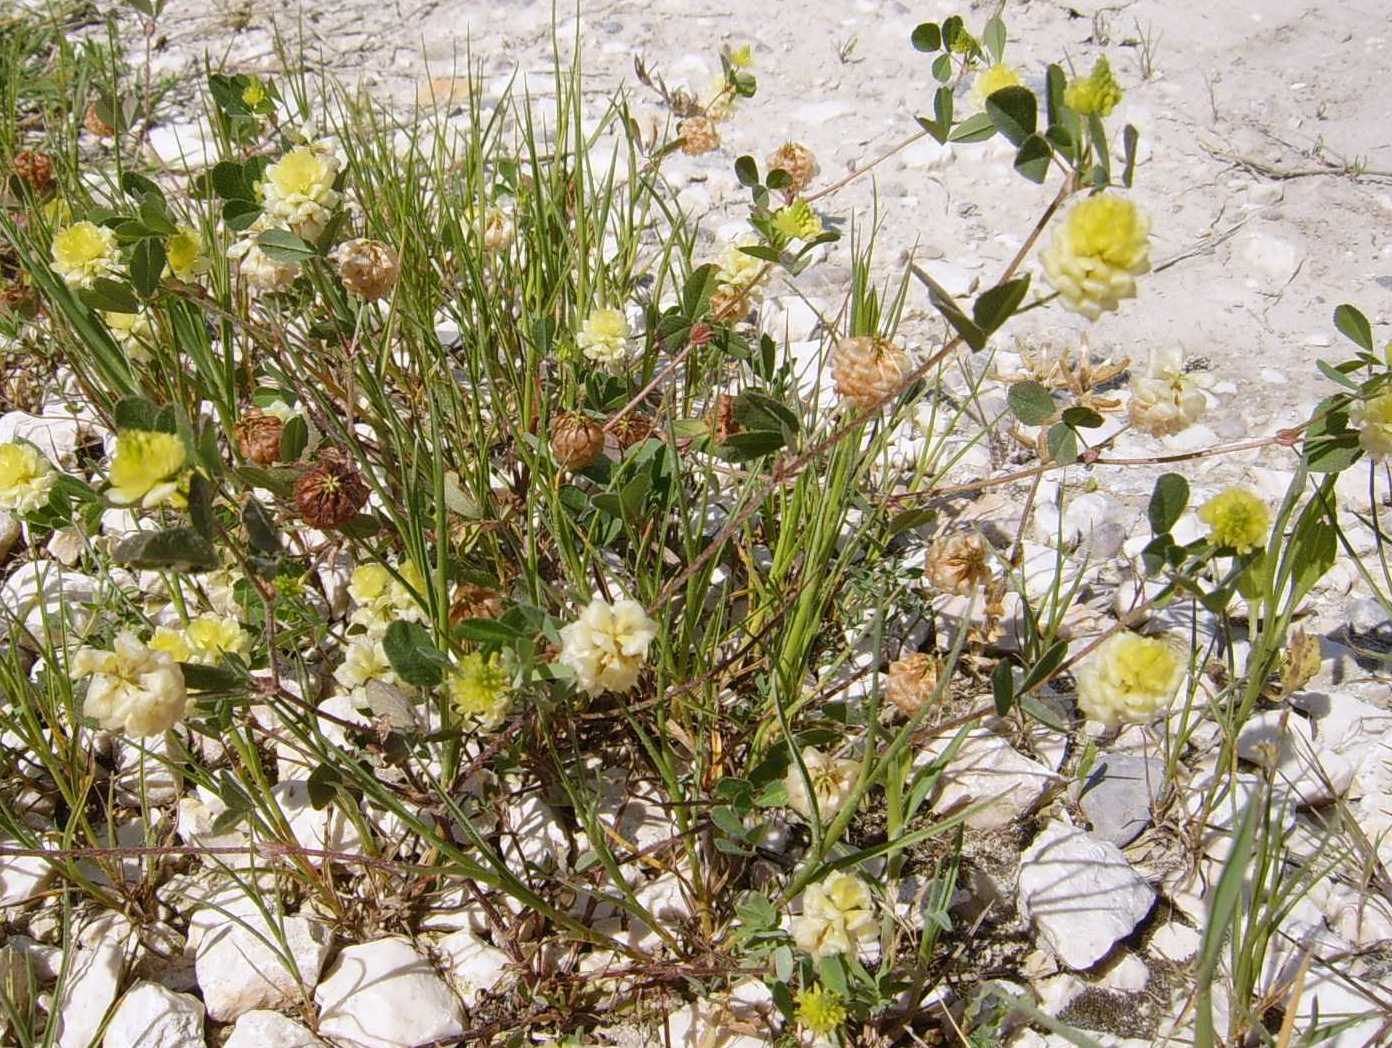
(1266, 165)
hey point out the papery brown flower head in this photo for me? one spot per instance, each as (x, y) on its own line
(911, 682)
(576, 440)
(868, 370)
(93, 122)
(368, 268)
(958, 563)
(331, 492)
(698, 135)
(798, 161)
(258, 436)
(35, 169)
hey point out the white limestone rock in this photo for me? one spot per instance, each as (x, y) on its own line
(238, 965)
(986, 768)
(261, 1029)
(385, 994)
(1081, 893)
(149, 1016)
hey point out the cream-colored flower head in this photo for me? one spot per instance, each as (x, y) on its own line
(1129, 679)
(606, 647)
(148, 468)
(297, 190)
(992, 79)
(833, 780)
(1098, 92)
(84, 251)
(1096, 254)
(134, 688)
(132, 332)
(497, 229)
(738, 270)
(365, 660)
(481, 691)
(184, 253)
(1373, 418)
(604, 336)
(1237, 520)
(261, 273)
(1164, 400)
(26, 478)
(838, 914)
(382, 599)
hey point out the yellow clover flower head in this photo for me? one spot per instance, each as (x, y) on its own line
(480, 690)
(1097, 253)
(1237, 520)
(1128, 679)
(1098, 92)
(1373, 417)
(148, 468)
(184, 253)
(992, 79)
(210, 637)
(741, 57)
(820, 1011)
(84, 251)
(255, 92)
(173, 643)
(26, 478)
(797, 221)
(604, 336)
(132, 332)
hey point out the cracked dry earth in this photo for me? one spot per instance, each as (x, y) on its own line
(1265, 162)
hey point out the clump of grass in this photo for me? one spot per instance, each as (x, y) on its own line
(338, 365)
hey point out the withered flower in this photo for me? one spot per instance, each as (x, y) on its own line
(330, 493)
(958, 563)
(576, 440)
(258, 436)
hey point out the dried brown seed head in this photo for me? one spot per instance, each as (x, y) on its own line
(576, 440)
(35, 169)
(797, 160)
(258, 436)
(911, 682)
(630, 430)
(368, 268)
(330, 493)
(472, 601)
(93, 122)
(698, 135)
(868, 370)
(959, 563)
